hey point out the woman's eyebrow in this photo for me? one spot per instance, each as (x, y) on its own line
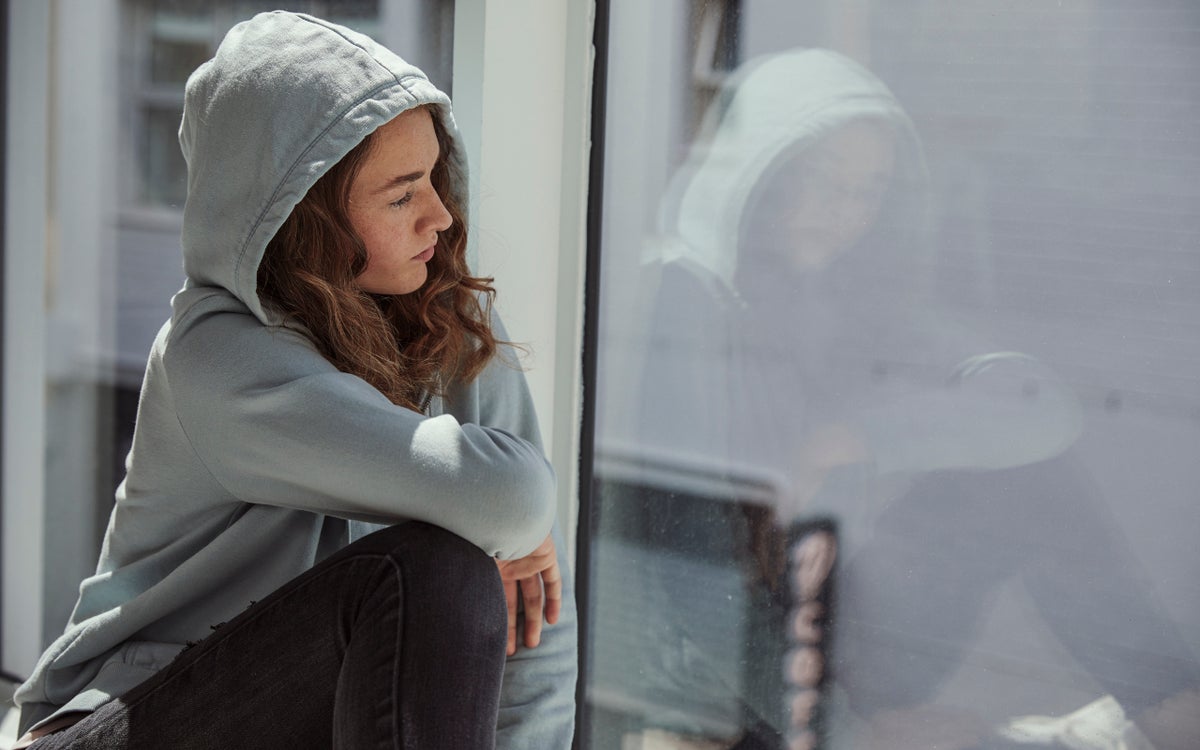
(395, 182)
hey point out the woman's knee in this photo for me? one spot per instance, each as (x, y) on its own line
(417, 542)
(441, 570)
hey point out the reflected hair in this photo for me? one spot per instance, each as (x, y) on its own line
(407, 346)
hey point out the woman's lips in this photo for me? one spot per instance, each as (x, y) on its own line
(426, 254)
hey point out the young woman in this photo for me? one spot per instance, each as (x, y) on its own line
(332, 457)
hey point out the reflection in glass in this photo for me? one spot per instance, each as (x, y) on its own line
(783, 354)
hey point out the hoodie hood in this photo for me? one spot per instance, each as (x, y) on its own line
(768, 111)
(285, 98)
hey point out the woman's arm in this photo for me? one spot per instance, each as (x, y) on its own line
(276, 424)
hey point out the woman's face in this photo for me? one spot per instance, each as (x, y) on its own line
(822, 203)
(394, 207)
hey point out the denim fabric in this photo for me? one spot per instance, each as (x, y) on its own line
(396, 641)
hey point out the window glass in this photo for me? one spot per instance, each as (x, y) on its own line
(180, 38)
(898, 395)
(170, 38)
(164, 172)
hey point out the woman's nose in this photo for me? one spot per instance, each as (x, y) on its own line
(440, 216)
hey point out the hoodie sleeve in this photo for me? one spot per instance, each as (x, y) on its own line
(275, 423)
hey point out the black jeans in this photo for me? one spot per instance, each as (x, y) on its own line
(396, 641)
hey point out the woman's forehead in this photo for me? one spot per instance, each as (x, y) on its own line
(404, 145)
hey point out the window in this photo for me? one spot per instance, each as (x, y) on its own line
(166, 42)
(898, 375)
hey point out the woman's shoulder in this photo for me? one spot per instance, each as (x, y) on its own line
(212, 331)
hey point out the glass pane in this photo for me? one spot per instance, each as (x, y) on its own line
(352, 13)
(182, 35)
(165, 176)
(247, 8)
(349, 11)
(172, 61)
(898, 400)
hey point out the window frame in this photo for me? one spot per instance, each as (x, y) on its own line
(23, 434)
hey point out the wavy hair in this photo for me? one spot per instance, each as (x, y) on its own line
(407, 346)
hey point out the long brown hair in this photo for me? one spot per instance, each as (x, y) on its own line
(406, 346)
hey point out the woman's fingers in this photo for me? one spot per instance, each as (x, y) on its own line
(542, 595)
(538, 580)
(552, 585)
(510, 598)
(531, 592)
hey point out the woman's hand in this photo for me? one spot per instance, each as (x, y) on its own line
(539, 581)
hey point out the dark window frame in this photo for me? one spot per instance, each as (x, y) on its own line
(591, 337)
(4, 14)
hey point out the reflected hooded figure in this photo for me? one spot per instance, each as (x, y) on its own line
(794, 335)
(795, 273)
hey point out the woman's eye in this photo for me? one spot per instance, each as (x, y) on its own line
(403, 201)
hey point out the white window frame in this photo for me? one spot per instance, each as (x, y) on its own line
(24, 438)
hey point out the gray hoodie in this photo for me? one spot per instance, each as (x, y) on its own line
(253, 457)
